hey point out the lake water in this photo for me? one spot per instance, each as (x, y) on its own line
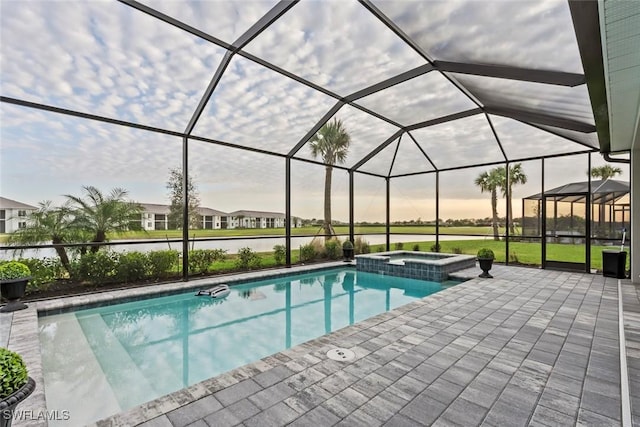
(234, 244)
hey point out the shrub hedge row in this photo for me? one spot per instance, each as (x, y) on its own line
(102, 267)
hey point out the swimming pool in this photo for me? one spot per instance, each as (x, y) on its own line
(134, 352)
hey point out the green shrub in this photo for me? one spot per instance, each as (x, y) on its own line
(280, 254)
(398, 246)
(247, 259)
(96, 267)
(13, 372)
(333, 249)
(131, 267)
(347, 244)
(457, 250)
(14, 270)
(361, 246)
(416, 247)
(435, 247)
(201, 259)
(44, 272)
(162, 263)
(513, 257)
(485, 253)
(308, 252)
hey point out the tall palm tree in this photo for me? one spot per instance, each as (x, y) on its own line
(331, 143)
(605, 172)
(490, 181)
(516, 176)
(99, 214)
(48, 224)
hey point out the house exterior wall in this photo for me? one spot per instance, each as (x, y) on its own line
(210, 222)
(155, 221)
(13, 219)
(259, 222)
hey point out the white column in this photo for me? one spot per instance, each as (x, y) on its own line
(635, 216)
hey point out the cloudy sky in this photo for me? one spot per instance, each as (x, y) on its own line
(105, 58)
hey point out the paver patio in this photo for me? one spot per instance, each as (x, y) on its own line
(529, 347)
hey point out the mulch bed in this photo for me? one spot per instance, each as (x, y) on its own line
(67, 288)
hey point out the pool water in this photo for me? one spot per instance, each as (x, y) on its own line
(101, 361)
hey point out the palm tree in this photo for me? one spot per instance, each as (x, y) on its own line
(100, 215)
(490, 181)
(516, 176)
(331, 143)
(605, 172)
(48, 224)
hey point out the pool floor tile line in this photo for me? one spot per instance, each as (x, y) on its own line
(529, 347)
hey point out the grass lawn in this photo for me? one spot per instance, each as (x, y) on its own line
(302, 231)
(521, 252)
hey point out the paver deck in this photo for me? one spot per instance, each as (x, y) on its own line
(631, 298)
(529, 347)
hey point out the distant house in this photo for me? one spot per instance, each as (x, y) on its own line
(211, 218)
(155, 216)
(257, 219)
(13, 214)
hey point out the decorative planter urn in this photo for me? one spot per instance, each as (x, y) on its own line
(9, 403)
(485, 266)
(13, 290)
(347, 254)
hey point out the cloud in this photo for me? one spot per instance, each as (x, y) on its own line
(60, 154)
(104, 58)
(336, 44)
(464, 142)
(420, 99)
(226, 20)
(256, 107)
(109, 59)
(521, 141)
(532, 34)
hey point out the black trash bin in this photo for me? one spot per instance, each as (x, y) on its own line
(614, 263)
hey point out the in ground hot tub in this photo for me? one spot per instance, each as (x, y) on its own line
(431, 266)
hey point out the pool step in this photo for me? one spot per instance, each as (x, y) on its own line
(130, 385)
(78, 373)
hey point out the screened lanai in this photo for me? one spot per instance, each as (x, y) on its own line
(610, 209)
(433, 94)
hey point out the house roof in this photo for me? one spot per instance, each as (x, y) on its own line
(604, 191)
(209, 211)
(155, 208)
(257, 214)
(14, 204)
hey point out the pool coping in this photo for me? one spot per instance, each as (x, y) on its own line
(442, 258)
(23, 336)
